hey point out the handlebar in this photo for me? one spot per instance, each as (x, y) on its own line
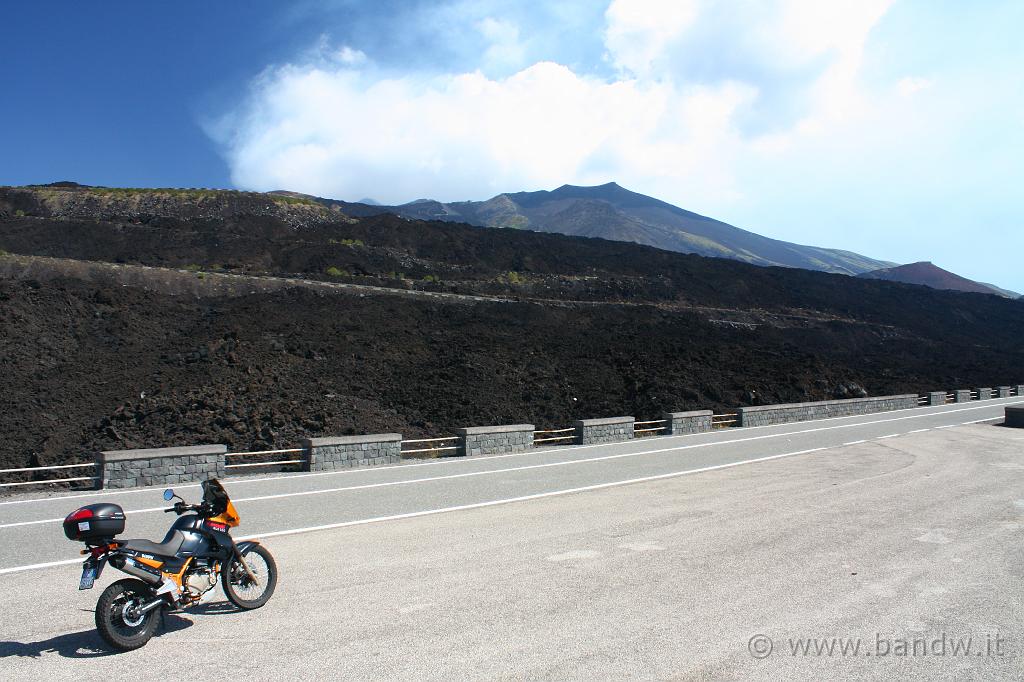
(180, 508)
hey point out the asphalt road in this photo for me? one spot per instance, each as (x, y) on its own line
(658, 558)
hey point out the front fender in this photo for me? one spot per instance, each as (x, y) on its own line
(246, 546)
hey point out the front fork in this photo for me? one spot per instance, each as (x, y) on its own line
(241, 560)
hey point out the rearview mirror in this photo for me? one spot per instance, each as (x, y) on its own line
(168, 494)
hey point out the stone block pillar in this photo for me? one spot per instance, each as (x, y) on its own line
(680, 423)
(345, 452)
(161, 466)
(610, 430)
(492, 440)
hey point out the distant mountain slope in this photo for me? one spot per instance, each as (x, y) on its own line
(930, 275)
(999, 290)
(68, 200)
(613, 212)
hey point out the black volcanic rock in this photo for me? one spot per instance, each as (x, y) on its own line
(99, 353)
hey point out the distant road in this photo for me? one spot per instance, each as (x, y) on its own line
(286, 504)
(895, 527)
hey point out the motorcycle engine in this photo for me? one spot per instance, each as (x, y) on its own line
(200, 582)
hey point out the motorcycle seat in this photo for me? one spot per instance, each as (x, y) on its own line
(167, 549)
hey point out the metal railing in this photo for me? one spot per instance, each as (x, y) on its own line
(269, 463)
(950, 398)
(545, 438)
(48, 480)
(724, 420)
(430, 449)
(923, 400)
(650, 431)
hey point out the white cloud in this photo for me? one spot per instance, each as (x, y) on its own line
(336, 133)
(638, 31)
(505, 49)
(349, 56)
(912, 84)
(339, 127)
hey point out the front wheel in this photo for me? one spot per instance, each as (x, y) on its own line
(117, 618)
(239, 587)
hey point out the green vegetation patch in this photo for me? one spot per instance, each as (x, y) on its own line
(180, 192)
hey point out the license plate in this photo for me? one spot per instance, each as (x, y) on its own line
(88, 578)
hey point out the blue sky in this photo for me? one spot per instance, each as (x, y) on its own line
(894, 128)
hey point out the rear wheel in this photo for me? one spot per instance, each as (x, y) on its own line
(117, 618)
(240, 588)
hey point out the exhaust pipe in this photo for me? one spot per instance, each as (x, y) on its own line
(132, 567)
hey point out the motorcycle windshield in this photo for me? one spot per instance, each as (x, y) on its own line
(219, 501)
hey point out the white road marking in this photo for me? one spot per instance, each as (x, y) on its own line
(891, 435)
(934, 410)
(429, 479)
(585, 460)
(414, 608)
(48, 564)
(643, 546)
(465, 507)
(573, 555)
(935, 536)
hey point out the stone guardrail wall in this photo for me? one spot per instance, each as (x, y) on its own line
(1015, 416)
(160, 466)
(169, 466)
(798, 412)
(331, 454)
(610, 430)
(493, 440)
(680, 423)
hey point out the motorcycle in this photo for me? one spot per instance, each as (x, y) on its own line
(173, 574)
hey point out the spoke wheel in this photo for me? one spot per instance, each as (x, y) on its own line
(117, 615)
(240, 588)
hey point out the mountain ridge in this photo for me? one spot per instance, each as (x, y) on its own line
(607, 211)
(610, 211)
